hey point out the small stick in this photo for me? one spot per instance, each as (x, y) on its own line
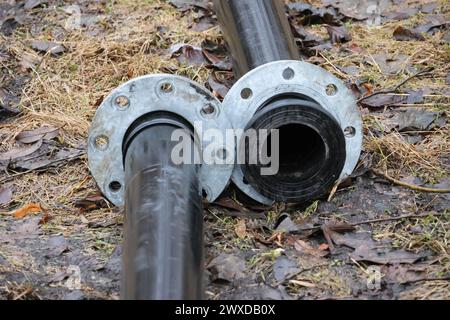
(24, 293)
(408, 185)
(427, 279)
(303, 270)
(334, 190)
(398, 86)
(409, 216)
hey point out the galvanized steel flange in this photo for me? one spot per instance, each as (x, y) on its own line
(286, 77)
(142, 96)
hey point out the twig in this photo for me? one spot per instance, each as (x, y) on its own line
(335, 188)
(334, 67)
(398, 86)
(409, 216)
(408, 185)
(427, 279)
(303, 270)
(24, 293)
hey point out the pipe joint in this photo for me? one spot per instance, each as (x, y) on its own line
(148, 101)
(318, 123)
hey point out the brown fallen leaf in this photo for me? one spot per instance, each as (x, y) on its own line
(330, 228)
(338, 34)
(306, 38)
(285, 268)
(389, 64)
(203, 24)
(9, 25)
(384, 256)
(30, 136)
(31, 4)
(404, 34)
(26, 210)
(306, 14)
(188, 55)
(185, 5)
(383, 100)
(47, 46)
(366, 249)
(221, 63)
(20, 152)
(50, 155)
(220, 90)
(241, 229)
(45, 218)
(369, 88)
(303, 246)
(434, 23)
(227, 267)
(229, 203)
(28, 61)
(5, 196)
(57, 245)
(91, 202)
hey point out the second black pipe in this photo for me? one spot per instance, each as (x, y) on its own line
(163, 245)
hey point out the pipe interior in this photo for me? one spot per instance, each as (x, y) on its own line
(302, 152)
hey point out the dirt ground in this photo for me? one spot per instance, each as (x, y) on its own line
(381, 234)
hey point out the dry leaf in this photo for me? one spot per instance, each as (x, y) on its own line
(30, 136)
(284, 268)
(189, 55)
(20, 152)
(28, 61)
(31, 4)
(5, 196)
(303, 283)
(48, 155)
(302, 246)
(227, 267)
(47, 46)
(241, 229)
(404, 34)
(45, 218)
(91, 202)
(220, 90)
(338, 34)
(26, 210)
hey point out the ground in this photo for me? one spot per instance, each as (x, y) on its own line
(381, 234)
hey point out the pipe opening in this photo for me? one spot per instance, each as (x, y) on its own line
(311, 150)
(302, 152)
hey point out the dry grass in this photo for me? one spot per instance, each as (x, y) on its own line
(425, 159)
(65, 91)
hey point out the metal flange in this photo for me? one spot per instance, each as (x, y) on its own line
(137, 98)
(283, 77)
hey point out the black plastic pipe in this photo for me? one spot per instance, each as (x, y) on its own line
(163, 245)
(312, 144)
(256, 31)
